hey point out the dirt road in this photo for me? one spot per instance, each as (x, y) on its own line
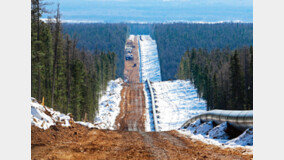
(132, 108)
(131, 67)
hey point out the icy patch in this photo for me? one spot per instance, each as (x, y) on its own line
(109, 105)
(176, 102)
(44, 117)
(219, 132)
(245, 139)
(150, 66)
(204, 128)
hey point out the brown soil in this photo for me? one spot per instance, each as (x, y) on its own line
(79, 142)
(131, 73)
(132, 104)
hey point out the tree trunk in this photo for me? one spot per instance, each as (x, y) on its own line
(38, 50)
(57, 30)
(68, 75)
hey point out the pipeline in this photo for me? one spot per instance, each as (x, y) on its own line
(239, 119)
(153, 105)
(140, 63)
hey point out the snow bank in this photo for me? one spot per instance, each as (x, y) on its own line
(192, 127)
(204, 128)
(244, 139)
(44, 117)
(176, 102)
(217, 142)
(219, 132)
(109, 105)
(217, 135)
(150, 66)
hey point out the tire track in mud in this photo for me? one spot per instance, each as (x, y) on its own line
(132, 106)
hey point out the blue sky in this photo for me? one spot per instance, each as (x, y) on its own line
(156, 10)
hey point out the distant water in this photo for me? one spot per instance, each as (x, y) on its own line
(154, 10)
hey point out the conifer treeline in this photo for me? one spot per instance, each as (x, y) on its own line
(70, 80)
(224, 78)
(174, 39)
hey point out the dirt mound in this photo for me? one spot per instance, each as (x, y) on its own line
(41, 137)
(79, 142)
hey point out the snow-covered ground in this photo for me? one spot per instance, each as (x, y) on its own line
(109, 105)
(150, 66)
(176, 102)
(217, 142)
(149, 122)
(244, 139)
(218, 135)
(131, 37)
(44, 117)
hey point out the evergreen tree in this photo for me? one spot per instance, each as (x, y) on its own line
(237, 83)
(70, 79)
(219, 76)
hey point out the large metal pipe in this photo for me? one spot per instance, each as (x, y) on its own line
(153, 105)
(238, 119)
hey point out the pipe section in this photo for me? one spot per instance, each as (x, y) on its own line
(239, 119)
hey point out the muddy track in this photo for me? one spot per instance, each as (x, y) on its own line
(132, 108)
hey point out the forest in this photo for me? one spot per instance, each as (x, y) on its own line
(224, 78)
(174, 39)
(140, 28)
(71, 79)
(100, 37)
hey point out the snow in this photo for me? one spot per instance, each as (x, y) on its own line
(150, 66)
(219, 132)
(131, 37)
(192, 127)
(109, 105)
(44, 117)
(149, 122)
(87, 124)
(204, 128)
(244, 139)
(206, 133)
(176, 102)
(216, 142)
